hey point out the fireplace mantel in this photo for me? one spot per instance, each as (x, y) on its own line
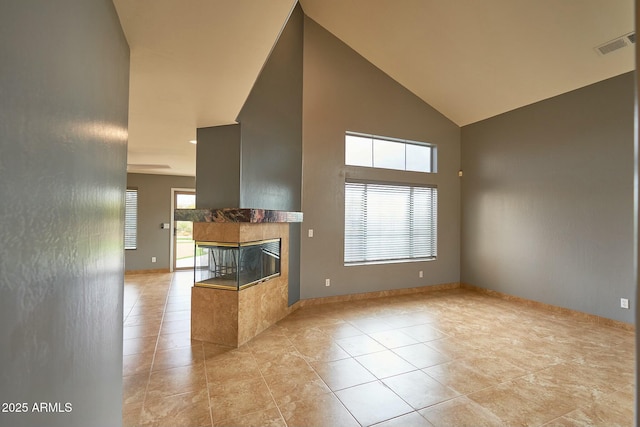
(246, 215)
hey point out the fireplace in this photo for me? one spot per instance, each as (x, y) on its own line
(241, 273)
(236, 266)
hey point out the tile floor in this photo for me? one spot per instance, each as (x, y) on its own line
(451, 358)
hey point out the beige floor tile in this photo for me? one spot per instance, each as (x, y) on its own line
(140, 331)
(175, 340)
(183, 410)
(139, 345)
(451, 347)
(306, 385)
(235, 398)
(342, 374)
(373, 403)
(177, 357)
(134, 388)
(231, 364)
(131, 414)
(460, 377)
(460, 412)
(385, 364)
(175, 326)
(393, 338)
(615, 409)
(142, 319)
(421, 356)
(268, 353)
(289, 363)
(174, 381)
(360, 345)
(494, 367)
(267, 418)
(412, 419)
(139, 363)
(371, 324)
(516, 404)
(423, 333)
(419, 390)
(322, 352)
(340, 330)
(326, 410)
(177, 315)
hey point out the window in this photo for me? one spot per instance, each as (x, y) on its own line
(386, 223)
(131, 219)
(389, 153)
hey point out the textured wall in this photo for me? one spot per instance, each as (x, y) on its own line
(63, 121)
(154, 208)
(344, 92)
(548, 200)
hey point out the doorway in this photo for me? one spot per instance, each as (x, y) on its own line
(183, 246)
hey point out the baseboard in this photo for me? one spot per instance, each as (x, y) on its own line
(156, 271)
(371, 295)
(553, 308)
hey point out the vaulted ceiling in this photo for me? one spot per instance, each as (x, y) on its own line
(193, 62)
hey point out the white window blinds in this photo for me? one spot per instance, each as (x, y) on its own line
(131, 219)
(389, 222)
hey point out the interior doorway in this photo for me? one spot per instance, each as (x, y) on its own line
(183, 246)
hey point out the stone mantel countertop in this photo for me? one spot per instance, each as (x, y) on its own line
(236, 215)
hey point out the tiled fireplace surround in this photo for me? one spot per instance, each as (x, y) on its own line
(231, 317)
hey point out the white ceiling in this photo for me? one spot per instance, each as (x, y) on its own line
(193, 62)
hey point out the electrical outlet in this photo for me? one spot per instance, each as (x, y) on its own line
(327, 282)
(153, 259)
(624, 303)
(310, 232)
(420, 274)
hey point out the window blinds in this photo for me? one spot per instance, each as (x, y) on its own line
(131, 219)
(389, 222)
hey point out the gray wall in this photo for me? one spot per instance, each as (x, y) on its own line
(548, 200)
(154, 208)
(271, 121)
(63, 119)
(344, 92)
(218, 167)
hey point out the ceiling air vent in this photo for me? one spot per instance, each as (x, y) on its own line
(615, 44)
(147, 166)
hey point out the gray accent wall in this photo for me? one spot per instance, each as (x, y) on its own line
(218, 167)
(547, 200)
(271, 120)
(64, 79)
(154, 208)
(344, 92)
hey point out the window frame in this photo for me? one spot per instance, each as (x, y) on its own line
(431, 247)
(433, 163)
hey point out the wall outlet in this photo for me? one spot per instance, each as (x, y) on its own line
(310, 234)
(153, 259)
(421, 274)
(327, 282)
(624, 303)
